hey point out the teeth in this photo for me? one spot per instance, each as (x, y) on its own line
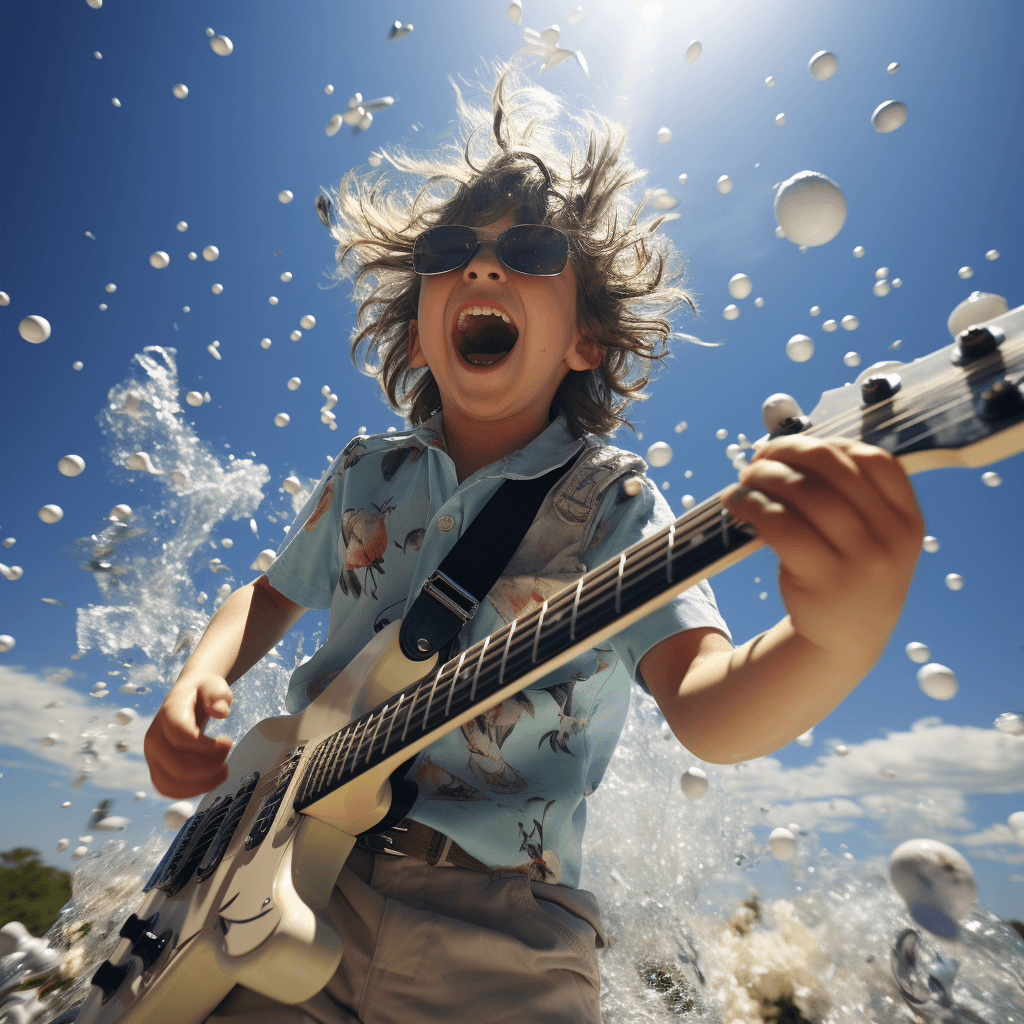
(480, 311)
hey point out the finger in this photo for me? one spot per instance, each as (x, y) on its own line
(879, 467)
(822, 507)
(889, 478)
(838, 495)
(180, 770)
(214, 696)
(178, 789)
(801, 549)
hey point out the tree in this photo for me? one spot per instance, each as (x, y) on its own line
(31, 892)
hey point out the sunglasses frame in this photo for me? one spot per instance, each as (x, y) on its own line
(497, 246)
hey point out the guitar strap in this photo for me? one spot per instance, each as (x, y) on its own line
(452, 593)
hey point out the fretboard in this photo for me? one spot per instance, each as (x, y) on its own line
(642, 572)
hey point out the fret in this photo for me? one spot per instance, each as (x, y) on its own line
(330, 747)
(536, 637)
(343, 746)
(408, 714)
(430, 699)
(391, 724)
(668, 559)
(323, 756)
(618, 584)
(504, 654)
(476, 673)
(340, 738)
(355, 760)
(451, 689)
(380, 722)
(575, 608)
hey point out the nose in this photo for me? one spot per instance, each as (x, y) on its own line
(485, 262)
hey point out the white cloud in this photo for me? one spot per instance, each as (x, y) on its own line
(84, 724)
(997, 833)
(938, 766)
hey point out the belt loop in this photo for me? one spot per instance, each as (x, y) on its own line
(433, 851)
(444, 850)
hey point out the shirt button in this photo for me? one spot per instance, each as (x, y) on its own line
(446, 522)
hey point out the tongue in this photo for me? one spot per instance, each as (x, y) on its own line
(486, 343)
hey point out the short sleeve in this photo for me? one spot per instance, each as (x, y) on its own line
(621, 521)
(307, 566)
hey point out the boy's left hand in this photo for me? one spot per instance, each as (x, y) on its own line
(844, 521)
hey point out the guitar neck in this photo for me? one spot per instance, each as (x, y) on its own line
(645, 576)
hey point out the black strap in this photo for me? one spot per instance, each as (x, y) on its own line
(451, 594)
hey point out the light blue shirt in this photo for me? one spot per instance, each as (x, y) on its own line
(510, 785)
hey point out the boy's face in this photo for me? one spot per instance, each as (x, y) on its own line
(522, 384)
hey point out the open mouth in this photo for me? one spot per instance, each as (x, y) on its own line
(484, 338)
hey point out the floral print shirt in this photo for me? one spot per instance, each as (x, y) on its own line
(509, 786)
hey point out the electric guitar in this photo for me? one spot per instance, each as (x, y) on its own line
(241, 895)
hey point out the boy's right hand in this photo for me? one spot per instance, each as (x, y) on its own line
(183, 762)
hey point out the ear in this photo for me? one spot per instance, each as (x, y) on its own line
(584, 355)
(416, 356)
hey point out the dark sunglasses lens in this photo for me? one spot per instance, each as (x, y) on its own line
(442, 249)
(534, 249)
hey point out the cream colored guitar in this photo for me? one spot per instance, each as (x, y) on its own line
(241, 896)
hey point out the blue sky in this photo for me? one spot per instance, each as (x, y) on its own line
(924, 201)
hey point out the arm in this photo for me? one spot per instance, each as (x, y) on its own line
(251, 621)
(182, 760)
(842, 517)
(737, 704)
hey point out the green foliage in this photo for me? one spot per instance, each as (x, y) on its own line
(31, 892)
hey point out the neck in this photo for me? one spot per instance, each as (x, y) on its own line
(473, 444)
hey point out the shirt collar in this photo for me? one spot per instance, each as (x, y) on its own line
(550, 448)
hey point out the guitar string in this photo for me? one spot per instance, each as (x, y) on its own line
(652, 547)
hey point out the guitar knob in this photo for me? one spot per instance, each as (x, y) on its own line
(148, 947)
(975, 342)
(1001, 400)
(108, 977)
(134, 926)
(879, 388)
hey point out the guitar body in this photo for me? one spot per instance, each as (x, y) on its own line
(259, 917)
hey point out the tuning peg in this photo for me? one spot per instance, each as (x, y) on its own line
(975, 342)
(879, 387)
(782, 415)
(1002, 400)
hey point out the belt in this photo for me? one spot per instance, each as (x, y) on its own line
(413, 839)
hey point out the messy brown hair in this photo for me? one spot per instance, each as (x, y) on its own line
(508, 160)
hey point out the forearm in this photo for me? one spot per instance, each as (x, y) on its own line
(240, 633)
(751, 701)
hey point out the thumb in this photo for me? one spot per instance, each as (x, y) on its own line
(215, 697)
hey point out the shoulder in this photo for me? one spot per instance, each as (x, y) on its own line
(390, 449)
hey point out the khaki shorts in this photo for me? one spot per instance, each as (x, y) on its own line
(426, 945)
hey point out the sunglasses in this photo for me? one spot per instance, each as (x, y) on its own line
(533, 249)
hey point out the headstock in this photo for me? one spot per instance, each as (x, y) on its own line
(962, 405)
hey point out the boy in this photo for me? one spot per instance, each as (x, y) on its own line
(508, 320)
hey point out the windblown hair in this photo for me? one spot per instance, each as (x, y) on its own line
(508, 160)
